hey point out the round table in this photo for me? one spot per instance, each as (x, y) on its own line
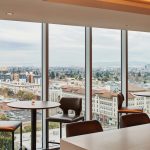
(144, 94)
(33, 107)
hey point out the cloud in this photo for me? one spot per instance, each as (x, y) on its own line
(20, 43)
(139, 46)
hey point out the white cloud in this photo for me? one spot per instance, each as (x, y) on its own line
(20, 43)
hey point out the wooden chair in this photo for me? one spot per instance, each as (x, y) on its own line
(133, 120)
(11, 126)
(85, 127)
(66, 104)
(126, 110)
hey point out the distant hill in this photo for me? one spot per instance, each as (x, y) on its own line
(117, 64)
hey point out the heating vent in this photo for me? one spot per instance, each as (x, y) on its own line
(147, 2)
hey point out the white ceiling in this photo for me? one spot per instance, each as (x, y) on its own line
(42, 11)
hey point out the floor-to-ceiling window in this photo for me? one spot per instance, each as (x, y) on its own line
(20, 71)
(139, 69)
(106, 75)
(20, 75)
(66, 66)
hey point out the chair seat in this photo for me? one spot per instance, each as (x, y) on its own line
(130, 110)
(65, 118)
(9, 126)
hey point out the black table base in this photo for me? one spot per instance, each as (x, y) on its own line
(33, 129)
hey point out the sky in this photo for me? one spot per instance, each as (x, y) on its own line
(20, 45)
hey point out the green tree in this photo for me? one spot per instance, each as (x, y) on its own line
(5, 92)
(52, 75)
(57, 74)
(20, 94)
(97, 74)
(5, 141)
(10, 93)
(24, 95)
(5, 137)
(28, 96)
(3, 117)
(80, 77)
(62, 77)
(139, 74)
(1, 91)
(116, 78)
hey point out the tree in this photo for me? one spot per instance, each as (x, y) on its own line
(1, 91)
(80, 77)
(97, 74)
(52, 75)
(57, 74)
(116, 78)
(105, 79)
(10, 93)
(62, 77)
(24, 95)
(5, 92)
(28, 96)
(20, 94)
(5, 137)
(3, 117)
(5, 140)
(139, 74)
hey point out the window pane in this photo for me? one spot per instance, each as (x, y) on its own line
(20, 73)
(139, 69)
(106, 80)
(66, 65)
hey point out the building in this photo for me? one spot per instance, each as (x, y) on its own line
(16, 86)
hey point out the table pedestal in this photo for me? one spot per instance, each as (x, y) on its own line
(33, 129)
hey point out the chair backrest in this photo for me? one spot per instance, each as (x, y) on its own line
(133, 120)
(120, 99)
(85, 127)
(71, 103)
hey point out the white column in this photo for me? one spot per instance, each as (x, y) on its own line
(45, 79)
(88, 73)
(124, 64)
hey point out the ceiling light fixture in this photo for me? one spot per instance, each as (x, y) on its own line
(9, 13)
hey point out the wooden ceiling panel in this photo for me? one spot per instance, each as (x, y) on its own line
(75, 14)
(145, 2)
(135, 6)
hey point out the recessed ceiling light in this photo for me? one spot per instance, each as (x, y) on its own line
(9, 13)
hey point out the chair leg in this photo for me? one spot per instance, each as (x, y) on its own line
(21, 137)
(60, 130)
(47, 134)
(118, 120)
(13, 145)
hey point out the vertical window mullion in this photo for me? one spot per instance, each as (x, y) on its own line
(124, 64)
(88, 73)
(45, 79)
